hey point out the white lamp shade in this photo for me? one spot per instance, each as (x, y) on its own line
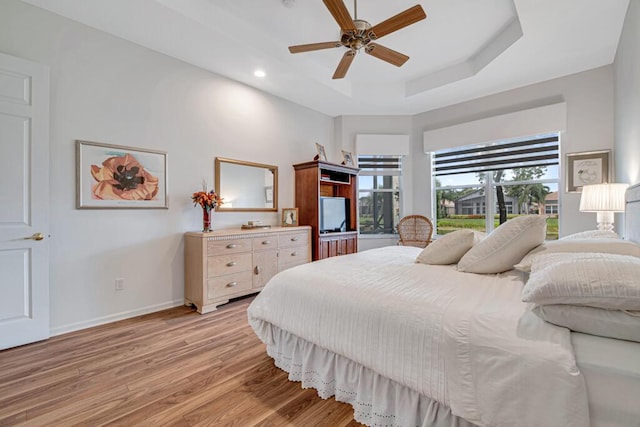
(603, 198)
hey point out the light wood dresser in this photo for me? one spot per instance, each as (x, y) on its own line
(225, 264)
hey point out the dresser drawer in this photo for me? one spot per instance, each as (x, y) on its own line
(227, 264)
(294, 255)
(294, 239)
(221, 247)
(267, 242)
(229, 284)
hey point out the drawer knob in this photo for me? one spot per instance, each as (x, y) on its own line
(231, 263)
(266, 242)
(295, 239)
(257, 269)
(232, 284)
(294, 253)
(231, 246)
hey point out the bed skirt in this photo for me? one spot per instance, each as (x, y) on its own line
(376, 400)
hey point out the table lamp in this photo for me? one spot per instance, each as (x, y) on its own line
(605, 199)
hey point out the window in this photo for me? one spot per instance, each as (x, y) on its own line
(514, 177)
(379, 194)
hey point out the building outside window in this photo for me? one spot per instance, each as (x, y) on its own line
(379, 193)
(513, 177)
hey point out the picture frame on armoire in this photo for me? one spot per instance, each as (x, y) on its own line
(347, 158)
(322, 154)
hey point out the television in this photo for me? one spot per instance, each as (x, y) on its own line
(333, 214)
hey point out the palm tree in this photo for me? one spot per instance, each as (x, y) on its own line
(539, 195)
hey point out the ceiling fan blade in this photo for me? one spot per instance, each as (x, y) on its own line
(344, 64)
(386, 54)
(341, 15)
(313, 46)
(397, 22)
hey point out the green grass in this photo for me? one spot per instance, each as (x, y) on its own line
(472, 222)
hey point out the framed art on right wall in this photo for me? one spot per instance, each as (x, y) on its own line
(586, 168)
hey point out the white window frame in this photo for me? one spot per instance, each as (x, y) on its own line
(376, 173)
(489, 189)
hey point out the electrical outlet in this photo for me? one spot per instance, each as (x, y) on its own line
(119, 284)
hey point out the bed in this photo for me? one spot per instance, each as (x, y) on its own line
(408, 344)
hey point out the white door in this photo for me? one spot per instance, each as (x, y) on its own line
(24, 201)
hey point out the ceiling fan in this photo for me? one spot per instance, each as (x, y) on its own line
(357, 33)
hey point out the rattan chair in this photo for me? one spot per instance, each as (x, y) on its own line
(415, 230)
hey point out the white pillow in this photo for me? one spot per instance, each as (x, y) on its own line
(623, 325)
(449, 248)
(609, 246)
(594, 279)
(505, 246)
(592, 234)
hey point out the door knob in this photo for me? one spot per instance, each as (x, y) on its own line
(36, 236)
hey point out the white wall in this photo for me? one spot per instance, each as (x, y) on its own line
(627, 98)
(109, 90)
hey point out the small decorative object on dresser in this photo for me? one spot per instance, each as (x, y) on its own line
(207, 201)
(289, 217)
(226, 264)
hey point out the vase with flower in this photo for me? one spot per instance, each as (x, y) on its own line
(207, 201)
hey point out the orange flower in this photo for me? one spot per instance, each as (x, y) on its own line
(206, 200)
(123, 178)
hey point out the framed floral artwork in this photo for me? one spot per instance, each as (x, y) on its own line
(113, 176)
(586, 168)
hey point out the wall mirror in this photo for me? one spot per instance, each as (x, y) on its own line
(246, 186)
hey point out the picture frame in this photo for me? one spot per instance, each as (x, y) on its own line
(347, 158)
(585, 168)
(120, 177)
(322, 155)
(268, 194)
(290, 217)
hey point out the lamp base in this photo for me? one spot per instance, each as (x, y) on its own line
(605, 220)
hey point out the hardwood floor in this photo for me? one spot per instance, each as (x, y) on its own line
(171, 368)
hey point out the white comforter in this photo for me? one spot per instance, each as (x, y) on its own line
(465, 340)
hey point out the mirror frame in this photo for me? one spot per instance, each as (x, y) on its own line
(272, 168)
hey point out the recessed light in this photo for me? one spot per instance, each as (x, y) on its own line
(259, 73)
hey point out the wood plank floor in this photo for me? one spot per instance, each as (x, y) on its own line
(171, 368)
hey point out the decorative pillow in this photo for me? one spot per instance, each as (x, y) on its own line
(505, 246)
(449, 248)
(609, 246)
(623, 325)
(595, 279)
(592, 234)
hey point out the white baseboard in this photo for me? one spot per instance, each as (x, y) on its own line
(114, 317)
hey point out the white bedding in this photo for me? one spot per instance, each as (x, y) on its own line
(464, 340)
(612, 371)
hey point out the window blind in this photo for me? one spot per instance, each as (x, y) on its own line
(542, 151)
(380, 165)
